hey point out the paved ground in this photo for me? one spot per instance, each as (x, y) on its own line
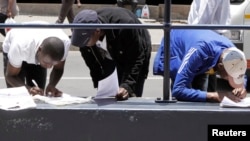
(156, 34)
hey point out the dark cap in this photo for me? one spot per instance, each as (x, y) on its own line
(80, 37)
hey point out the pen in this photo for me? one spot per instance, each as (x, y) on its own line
(34, 82)
(36, 85)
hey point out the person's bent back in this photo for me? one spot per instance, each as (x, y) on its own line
(197, 52)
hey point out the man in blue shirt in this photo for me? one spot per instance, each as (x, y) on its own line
(195, 53)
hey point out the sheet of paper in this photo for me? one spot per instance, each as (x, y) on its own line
(65, 99)
(108, 87)
(16, 98)
(226, 102)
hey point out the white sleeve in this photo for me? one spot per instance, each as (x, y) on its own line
(6, 43)
(15, 55)
(67, 44)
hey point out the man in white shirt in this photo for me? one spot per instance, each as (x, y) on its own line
(29, 52)
(210, 12)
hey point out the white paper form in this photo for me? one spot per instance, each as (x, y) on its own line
(226, 102)
(16, 98)
(65, 99)
(108, 87)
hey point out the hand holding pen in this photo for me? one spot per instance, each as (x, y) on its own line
(35, 90)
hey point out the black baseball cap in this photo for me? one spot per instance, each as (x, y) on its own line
(80, 37)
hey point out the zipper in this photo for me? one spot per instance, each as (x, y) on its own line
(97, 60)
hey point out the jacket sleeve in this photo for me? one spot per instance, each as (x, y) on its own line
(191, 64)
(158, 66)
(136, 47)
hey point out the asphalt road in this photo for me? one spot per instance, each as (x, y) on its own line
(76, 79)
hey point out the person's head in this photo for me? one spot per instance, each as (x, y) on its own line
(50, 52)
(85, 37)
(232, 66)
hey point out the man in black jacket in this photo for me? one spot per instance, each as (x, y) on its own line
(127, 50)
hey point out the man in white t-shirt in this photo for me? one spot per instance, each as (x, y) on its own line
(29, 52)
(210, 12)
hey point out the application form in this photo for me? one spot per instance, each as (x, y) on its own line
(108, 87)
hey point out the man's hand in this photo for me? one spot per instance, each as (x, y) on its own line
(240, 92)
(79, 4)
(218, 96)
(9, 14)
(122, 94)
(52, 91)
(36, 90)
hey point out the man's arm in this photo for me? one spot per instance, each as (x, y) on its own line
(134, 42)
(56, 74)
(11, 76)
(14, 80)
(9, 8)
(192, 64)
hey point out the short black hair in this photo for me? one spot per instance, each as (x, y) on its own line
(53, 47)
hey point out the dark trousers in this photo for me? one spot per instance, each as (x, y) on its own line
(200, 82)
(205, 82)
(3, 17)
(66, 11)
(212, 83)
(29, 72)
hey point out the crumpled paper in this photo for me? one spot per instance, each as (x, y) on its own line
(65, 99)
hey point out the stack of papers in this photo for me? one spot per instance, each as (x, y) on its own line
(65, 99)
(244, 103)
(16, 98)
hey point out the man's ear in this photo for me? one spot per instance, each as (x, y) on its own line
(40, 48)
(99, 32)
